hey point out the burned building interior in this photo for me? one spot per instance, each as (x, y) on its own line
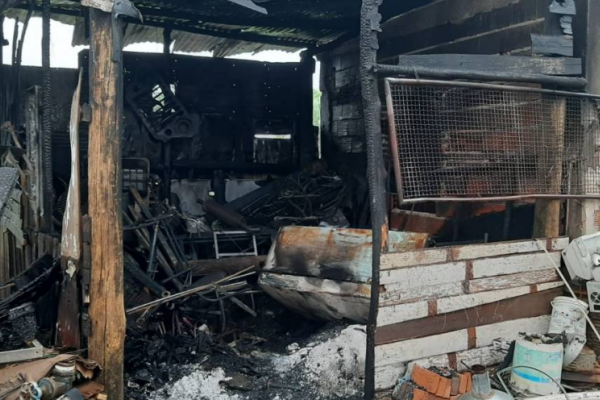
(186, 224)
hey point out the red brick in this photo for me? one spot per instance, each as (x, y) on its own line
(448, 391)
(462, 387)
(426, 379)
(469, 383)
(444, 388)
(419, 394)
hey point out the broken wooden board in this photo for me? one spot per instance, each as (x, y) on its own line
(552, 45)
(565, 7)
(585, 363)
(329, 253)
(494, 63)
(413, 221)
(316, 298)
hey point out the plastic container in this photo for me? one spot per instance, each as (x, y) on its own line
(545, 357)
(568, 316)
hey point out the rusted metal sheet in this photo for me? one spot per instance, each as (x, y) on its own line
(316, 298)
(329, 253)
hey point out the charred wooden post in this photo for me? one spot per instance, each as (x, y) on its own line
(369, 27)
(107, 314)
(166, 149)
(47, 187)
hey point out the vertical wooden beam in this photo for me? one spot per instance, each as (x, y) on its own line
(369, 27)
(46, 165)
(106, 310)
(546, 221)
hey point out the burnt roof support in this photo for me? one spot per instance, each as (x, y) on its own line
(47, 188)
(369, 27)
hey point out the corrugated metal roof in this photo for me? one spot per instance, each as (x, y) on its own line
(228, 29)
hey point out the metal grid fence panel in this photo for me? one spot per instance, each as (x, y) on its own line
(467, 141)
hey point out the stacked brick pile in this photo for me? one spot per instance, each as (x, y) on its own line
(433, 384)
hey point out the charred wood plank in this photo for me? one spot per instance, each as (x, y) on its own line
(559, 66)
(144, 279)
(561, 45)
(562, 81)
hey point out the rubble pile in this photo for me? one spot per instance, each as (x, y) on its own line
(326, 365)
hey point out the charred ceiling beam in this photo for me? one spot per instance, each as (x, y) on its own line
(191, 28)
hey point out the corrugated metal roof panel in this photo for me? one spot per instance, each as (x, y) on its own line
(297, 23)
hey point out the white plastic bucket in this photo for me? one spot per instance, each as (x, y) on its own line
(545, 357)
(568, 315)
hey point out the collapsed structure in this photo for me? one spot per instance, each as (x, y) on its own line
(171, 204)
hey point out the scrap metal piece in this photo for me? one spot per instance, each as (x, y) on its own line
(161, 112)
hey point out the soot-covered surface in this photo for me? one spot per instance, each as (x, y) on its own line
(277, 355)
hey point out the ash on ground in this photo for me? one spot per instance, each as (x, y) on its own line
(277, 356)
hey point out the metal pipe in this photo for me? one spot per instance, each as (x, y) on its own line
(394, 140)
(502, 198)
(573, 83)
(151, 267)
(189, 292)
(490, 86)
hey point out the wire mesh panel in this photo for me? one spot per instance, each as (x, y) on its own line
(471, 141)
